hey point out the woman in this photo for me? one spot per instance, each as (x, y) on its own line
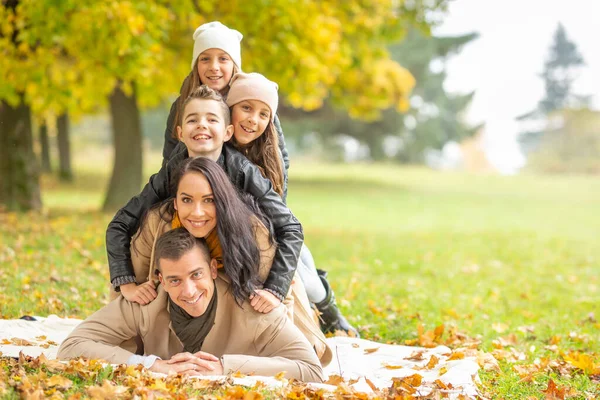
(205, 203)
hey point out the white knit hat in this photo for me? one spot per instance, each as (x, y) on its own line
(215, 35)
(253, 86)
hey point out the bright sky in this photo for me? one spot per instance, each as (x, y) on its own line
(504, 63)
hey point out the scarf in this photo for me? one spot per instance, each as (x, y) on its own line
(193, 330)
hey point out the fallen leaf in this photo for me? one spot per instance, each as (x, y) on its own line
(553, 392)
(371, 384)
(389, 366)
(487, 362)
(280, 375)
(433, 361)
(416, 356)
(58, 380)
(334, 380)
(372, 350)
(584, 362)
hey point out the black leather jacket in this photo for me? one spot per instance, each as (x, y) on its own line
(171, 143)
(246, 177)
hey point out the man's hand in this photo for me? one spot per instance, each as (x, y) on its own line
(263, 301)
(142, 294)
(199, 363)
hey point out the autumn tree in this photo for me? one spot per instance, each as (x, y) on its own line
(132, 54)
(560, 71)
(19, 175)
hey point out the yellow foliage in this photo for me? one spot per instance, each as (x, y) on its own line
(69, 55)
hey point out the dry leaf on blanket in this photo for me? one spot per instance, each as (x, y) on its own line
(280, 376)
(334, 380)
(457, 355)
(389, 366)
(372, 350)
(355, 345)
(433, 361)
(406, 385)
(371, 384)
(416, 356)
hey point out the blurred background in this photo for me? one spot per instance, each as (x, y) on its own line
(494, 88)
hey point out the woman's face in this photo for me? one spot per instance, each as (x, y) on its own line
(215, 69)
(195, 204)
(249, 119)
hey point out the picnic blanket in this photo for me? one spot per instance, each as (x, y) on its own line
(361, 362)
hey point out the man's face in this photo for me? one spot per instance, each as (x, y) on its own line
(203, 129)
(189, 281)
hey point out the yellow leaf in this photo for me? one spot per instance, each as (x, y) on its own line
(60, 381)
(371, 350)
(584, 362)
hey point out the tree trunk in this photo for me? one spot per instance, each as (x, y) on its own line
(65, 172)
(375, 143)
(45, 148)
(19, 173)
(126, 177)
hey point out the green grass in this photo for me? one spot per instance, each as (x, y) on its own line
(488, 255)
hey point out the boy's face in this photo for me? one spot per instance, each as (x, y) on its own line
(203, 129)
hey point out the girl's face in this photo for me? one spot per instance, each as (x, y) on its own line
(195, 204)
(215, 69)
(249, 119)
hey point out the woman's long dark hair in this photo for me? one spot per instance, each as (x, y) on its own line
(235, 228)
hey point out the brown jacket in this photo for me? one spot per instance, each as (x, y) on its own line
(247, 341)
(297, 303)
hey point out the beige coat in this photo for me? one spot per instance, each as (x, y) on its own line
(247, 341)
(297, 303)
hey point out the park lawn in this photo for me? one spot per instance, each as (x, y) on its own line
(510, 262)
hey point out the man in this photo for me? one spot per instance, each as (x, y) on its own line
(194, 326)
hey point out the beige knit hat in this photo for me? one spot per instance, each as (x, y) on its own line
(215, 35)
(253, 86)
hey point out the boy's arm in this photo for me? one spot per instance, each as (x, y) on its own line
(284, 155)
(288, 231)
(170, 141)
(127, 221)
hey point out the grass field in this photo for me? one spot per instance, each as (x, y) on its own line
(510, 261)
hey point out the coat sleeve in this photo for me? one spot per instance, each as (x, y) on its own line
(288, 230)
(100, 335)
(284, 155)
(280, 347)
(266, 248)
(170, 141)
(142, 244)
(127, 220)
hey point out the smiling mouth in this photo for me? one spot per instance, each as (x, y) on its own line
(198, 224)
(201, 136)
(214, 78)
(194, 301)
(247, 130)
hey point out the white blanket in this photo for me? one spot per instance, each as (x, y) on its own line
(362, 362)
